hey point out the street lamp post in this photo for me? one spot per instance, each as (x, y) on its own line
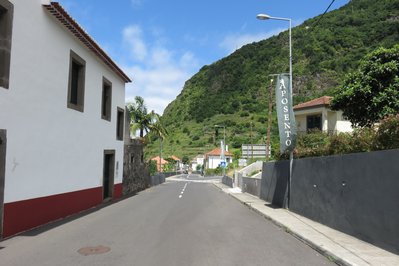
(223, 147)
(266, 17)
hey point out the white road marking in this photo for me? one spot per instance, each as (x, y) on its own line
(181, 193)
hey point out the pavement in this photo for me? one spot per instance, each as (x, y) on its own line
(175, 223)
(341, 248)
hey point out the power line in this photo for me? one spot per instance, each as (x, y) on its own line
(328, 8)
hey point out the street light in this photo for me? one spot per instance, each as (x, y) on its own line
(223, 147)
(267, 17)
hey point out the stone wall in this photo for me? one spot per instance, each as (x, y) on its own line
(136, 174)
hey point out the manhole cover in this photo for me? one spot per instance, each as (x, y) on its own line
(93, 250)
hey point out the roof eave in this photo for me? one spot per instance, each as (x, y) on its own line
(56, 10)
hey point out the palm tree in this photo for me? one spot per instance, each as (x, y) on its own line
(160, 131)
(146, 122)
(140, 118)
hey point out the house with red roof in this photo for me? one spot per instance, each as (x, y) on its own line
(317, 114)
(214, 158)
(161, 162)
(178, 161)
(62, 110)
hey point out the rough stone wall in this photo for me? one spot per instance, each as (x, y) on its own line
(135, 171)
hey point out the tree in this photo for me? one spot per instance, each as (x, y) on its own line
(372, 92)
(157, 129)
(141, 119)
(185, 159)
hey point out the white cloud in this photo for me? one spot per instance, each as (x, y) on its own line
(235, 41)
(158, 73)
(132, 36)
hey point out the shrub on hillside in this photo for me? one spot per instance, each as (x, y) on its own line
(244, 114)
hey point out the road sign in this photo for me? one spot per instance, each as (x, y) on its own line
(223, 164)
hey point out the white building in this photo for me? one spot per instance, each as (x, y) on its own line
(316, 114)
(213, 158)
(198, 160)
(62, 104)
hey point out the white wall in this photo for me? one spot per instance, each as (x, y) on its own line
(331, 120)
(214, 161)
(52, 149)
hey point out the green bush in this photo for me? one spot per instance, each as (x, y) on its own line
(340, 143)
(216, 171)
(365, 139)
(152, 165)
(194, 138)
(387, 136)
(312, 144)
(244, 114)
(362, 140)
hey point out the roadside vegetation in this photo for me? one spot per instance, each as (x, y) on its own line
(382, 137)
(234, 90)
(369, 98)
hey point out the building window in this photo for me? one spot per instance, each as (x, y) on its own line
(313, 122)
(76, 86)
(6, 18)
(119, 124)
(106, 100)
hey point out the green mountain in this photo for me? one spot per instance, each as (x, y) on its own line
(234, 90)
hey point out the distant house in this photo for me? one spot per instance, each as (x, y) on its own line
(62, 102)
(213, 158)
(198, 160)
(178, 161)
(317, 114)
(161, 162)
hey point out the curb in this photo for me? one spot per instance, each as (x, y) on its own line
(327, 254)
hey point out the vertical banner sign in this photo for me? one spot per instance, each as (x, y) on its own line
(285, 114)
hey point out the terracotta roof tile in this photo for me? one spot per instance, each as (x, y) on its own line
(217, 151)
(322, 101)
(175, 158)
(158, 160)
(62, 16)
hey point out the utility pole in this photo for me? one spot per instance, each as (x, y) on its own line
(252, 146)
(160, 155)
(269, 120)
(223, 147)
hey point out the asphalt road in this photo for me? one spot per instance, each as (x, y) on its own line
(176, 223)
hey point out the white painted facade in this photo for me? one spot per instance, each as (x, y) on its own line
(213, 161)
(198, 160)
(332, 121)
(52, 149)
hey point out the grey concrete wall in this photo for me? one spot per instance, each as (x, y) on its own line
(135, 171)
(256, 166)
(251, 185)
(168, 174)
(274, 182)
(157, 179)
(356, 193)
(228, 181)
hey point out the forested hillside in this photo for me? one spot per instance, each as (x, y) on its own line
(233, 91)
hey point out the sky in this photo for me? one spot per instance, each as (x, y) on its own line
(161, 44)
